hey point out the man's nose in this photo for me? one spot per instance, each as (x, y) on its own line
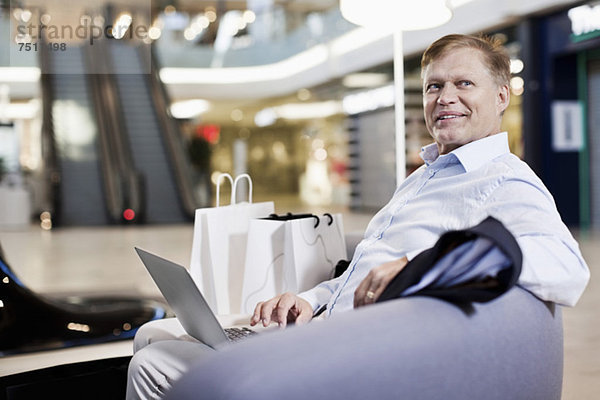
(448, 94)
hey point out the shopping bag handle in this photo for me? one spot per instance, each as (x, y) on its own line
(225, 175)
(289, 216)
(234, 190)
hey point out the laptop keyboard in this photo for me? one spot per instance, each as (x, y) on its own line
(235, 334)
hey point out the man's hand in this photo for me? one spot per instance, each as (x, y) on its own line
(376, 281)
(282, 309)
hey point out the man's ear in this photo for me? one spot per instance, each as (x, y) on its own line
(503, 98)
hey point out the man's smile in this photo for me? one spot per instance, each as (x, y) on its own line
(444, 116)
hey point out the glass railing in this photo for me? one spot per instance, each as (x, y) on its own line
(11, 53)
(192, 39)
(257, 43)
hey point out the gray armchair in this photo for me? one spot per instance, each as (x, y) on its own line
(411, 348)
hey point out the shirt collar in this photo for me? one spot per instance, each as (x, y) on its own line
(472, 155)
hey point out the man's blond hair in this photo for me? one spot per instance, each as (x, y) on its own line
(494, 54)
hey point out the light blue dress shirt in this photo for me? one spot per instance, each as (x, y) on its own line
(457, 191)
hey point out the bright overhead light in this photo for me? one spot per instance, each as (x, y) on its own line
(249, 16)
(26, 15)
(187, 109)
(19, 74)
(365, 79)
(154, 33)
(14, 111)
(369, 100)
(189, 34)
(235, 75)
(121, 26)
(211, 15)
(517, 83)
(321, 109)
(265, 117)
(295, 111)
(303, 94)
(396, 15)
(516, 66)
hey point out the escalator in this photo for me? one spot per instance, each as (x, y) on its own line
(147, 140)
(110, 145)
(70, 130)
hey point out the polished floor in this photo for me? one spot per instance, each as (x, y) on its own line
(102, 260)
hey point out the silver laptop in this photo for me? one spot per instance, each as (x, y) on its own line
(190, 307)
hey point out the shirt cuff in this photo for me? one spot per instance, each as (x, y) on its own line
(412, 254)
(316, 297)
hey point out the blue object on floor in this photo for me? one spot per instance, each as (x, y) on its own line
(31, 322)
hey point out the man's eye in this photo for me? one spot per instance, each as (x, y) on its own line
(432, 86)
(466, 83)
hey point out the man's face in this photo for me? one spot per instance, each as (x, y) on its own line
(461, 100)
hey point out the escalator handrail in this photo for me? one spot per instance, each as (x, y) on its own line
(51, 198)
(110, 172)
(173, 138)
(108, 102)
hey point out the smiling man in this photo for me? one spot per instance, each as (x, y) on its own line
(465, 94)
(469, 174)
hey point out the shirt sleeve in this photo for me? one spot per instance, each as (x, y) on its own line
(412, 254)
(553, 267)
(321, 294)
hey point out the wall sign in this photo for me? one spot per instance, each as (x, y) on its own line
(585, 22)
(567, 125)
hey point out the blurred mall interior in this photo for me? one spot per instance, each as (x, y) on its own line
(117, 117)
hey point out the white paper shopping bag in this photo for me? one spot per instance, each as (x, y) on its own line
(290, 253)
(263, 272)
(312, 251)
(219, 248)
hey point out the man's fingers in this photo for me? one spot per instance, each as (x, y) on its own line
(286, 303)
(256, 316)
(305, 314)
(378, 284)
(371, 288)
(267, 308)
(383, 283)
(360, 294)
(279, 308)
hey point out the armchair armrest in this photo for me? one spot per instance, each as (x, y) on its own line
(417, 347)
